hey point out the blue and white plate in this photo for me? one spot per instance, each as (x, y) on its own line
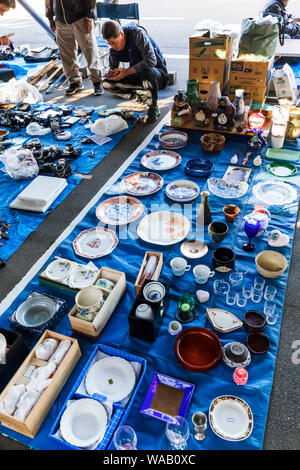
(182, 191)
(161, 160)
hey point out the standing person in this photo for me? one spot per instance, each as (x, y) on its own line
(277, 8)
(147, 67)
(72, 21)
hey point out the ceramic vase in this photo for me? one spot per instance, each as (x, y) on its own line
(192, 94)
(204, 215)
(213, 96)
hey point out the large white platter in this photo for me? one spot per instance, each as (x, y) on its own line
(163, 228)
(83, 423)
(231, 418)
(275, 193)
(112, 376)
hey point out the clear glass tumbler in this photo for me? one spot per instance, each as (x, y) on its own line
(247, 288)
(270, 292)
(231, 297)
(125, 438)
(241, 299)
(256, 295)
(178, 433)
(259, 283)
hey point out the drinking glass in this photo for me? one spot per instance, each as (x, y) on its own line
(272, 318)
(178, 433)
(256, 295)
(247, 288)
(199, 421)
(269, 307)
(231, 297)
(221, 287)
(270, 292)
(241, 299)
(236, 279)
(125, 438)
(259, 283)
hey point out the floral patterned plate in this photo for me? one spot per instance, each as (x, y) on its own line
(82, 276)
(142, 183)
(163, 228)
(95, 242)
(182, 191)
(58, 270)
(119, 210)
(160, 160)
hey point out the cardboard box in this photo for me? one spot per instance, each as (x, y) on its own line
(94, 328)
(206, 71)
(245, 72)
(157, 271)
(30, 426)
(206, 48)
(256, 93)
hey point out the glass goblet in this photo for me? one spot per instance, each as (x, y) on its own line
(251, 228)
(125, 438)
(178, 433)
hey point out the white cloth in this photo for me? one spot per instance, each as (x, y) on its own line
(46, 349)
(26, 403)
(109, 125)
(61, 351)
(9, 403)
(40, 375)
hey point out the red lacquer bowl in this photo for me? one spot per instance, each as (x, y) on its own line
(198, 349)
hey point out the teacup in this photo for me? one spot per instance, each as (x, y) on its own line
(231, 212)
(179, 266)
(105, 285)
(174, 327)
(89, 300)
(154, 292)
(144, 311)
(217, 231)
(202, 273)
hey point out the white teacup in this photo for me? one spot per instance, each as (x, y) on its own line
(202, 273)
(174, 327)
(179, 266)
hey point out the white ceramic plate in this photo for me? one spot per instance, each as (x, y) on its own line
(82, 276)
(194, 249)
(58, 269)
(182, 191)
(119, 210)
(163, 228)
(142, 183)
(231, 418)
(275, 193)
(83, 423)
(112, 376)
(222, 320)
(95, 242)
(160, 160)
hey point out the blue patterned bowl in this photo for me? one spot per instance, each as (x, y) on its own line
(199, 167)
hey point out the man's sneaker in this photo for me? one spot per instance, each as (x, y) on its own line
(74, 88)
(152, 114)
(141, 96)
(98, 89)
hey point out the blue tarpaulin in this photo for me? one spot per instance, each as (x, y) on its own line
(128, 256)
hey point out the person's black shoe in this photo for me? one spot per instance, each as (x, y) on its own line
(98, 89)
(74, 88)
(152, 114)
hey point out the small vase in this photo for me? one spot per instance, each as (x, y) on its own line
(192, 94)
(213, 96)
(204, 215)
(239, 104)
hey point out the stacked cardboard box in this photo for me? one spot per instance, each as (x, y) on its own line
(252, 76)
(210, 60)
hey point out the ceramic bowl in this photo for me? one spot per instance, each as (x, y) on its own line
(217, 231)
(83, 423)
(199, 167)
(105, 284)
(145, 312)
(154, 292)
(36, 311)
(212, 142)
(223, 259)
(231, 212)
(258, 343)
(182, 190)
(198, 349)
(254, 321)
(236, 355)
(173, 139)
(270, 264)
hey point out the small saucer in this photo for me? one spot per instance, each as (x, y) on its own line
(193, 249)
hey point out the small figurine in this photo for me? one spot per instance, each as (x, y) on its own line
(224, 115)
(255, 141)
(181, 111)
(202, 114)
(234, 159)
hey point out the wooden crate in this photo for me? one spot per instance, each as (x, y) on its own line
(30, 426)
(94, 328)
(157, 272)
